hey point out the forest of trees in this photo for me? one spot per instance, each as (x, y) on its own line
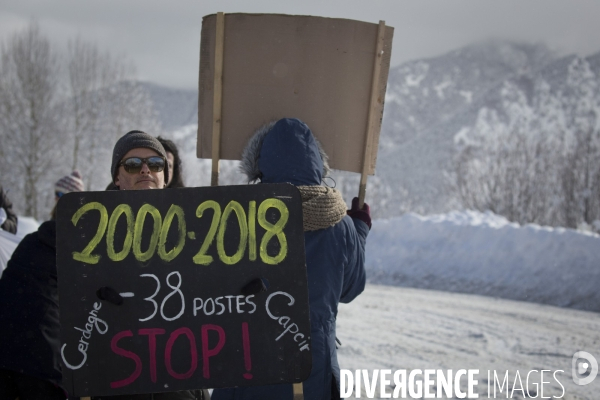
(536, 159)
(62, 109)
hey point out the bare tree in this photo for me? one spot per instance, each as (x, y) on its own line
(131, 108)
(104, 101)
(51, 123)
(28, 116)
(536, 160)
(582, 101)
(86, 76)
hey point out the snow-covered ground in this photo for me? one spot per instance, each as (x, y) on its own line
(483, 253)
(9, 242)
(402, 328)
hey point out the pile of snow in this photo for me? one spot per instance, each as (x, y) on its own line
(483, 253)
(9, 242)
(26, 225)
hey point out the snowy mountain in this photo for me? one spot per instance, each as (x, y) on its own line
(425, 93)
(428, 102)
(175, 108)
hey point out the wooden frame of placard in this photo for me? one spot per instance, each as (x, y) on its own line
(217, 98)
(232, 50)
(371, 125)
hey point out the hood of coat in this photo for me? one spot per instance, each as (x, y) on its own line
(285, 151)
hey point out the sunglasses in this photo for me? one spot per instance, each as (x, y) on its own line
(133, 165)
(58, 194)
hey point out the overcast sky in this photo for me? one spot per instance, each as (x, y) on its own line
(163, 37)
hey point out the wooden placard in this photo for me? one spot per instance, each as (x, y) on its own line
(316, 69)
(179, 259)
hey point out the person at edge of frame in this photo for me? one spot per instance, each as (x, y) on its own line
(29, 314)
(130, 170)
(287, 151)
(8, 219)
(175, 166)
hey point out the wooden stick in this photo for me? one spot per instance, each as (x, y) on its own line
(217, 99)
(372, 114)
(298, 391)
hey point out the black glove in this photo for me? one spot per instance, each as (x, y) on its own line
(109, 294)
(255, 286)
(364, 214)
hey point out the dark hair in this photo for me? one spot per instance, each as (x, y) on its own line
(53, 212)
(177, 180)
(112, 186)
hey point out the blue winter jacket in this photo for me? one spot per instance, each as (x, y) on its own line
(334, 261)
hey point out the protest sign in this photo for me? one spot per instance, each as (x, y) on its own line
(165, 290)
(331, 73)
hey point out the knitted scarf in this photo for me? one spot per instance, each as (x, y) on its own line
(322, 207)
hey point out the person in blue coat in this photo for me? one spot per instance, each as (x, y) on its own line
(287, 151)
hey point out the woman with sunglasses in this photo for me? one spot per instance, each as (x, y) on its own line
(29, 337)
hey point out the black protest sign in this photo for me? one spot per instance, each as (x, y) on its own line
(165, 290)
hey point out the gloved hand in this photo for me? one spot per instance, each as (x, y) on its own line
(364, 213)
(109, 294)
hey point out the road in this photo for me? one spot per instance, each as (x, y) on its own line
(401, 328)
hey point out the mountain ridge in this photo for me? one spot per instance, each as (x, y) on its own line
(428, 101)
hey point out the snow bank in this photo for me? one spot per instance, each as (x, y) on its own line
(483, 253)
(9, 242)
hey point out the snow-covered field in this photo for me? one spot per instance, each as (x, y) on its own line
(9, 242)
(402, 328)
(483, 253)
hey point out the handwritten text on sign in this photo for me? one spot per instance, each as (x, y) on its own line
(178, 261)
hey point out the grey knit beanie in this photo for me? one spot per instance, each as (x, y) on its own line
(133, 140)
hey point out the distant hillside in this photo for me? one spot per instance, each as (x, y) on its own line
(175, 107)
(428, 102)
